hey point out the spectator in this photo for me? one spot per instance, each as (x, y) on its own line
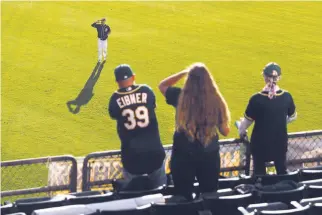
(201, 111)
(271, 110)
(133, 107)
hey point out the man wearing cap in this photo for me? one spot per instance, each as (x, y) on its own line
(103, 31)
(271, 110)
(133, 107)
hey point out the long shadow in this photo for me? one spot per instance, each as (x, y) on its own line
(86, 93)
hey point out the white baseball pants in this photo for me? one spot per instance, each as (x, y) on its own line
(102, 49)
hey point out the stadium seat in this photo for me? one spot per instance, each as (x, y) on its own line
(218, 193)
(312, 182)
(295, 211)
(131, 194)
(142, 210)
(281, 196)
(126, 204)
(316, 209)
(139, 183)
(304, 202)
(28, 205)
(224, 183)
(310, 174)
(92, 199)
(313, 168)
(65, 210)
(19, 213)
(170, 190)
(176, 208)
(224, 205)
(243, 211)
(86, 193)
(314, 191)
(273, 179)
(267, 206)
(6, 209)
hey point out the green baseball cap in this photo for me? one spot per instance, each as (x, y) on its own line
(272, 69)
(123, 72)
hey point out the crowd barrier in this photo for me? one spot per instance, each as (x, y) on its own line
(52, 175)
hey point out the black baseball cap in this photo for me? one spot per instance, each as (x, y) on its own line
(272, 69)
(123, 72)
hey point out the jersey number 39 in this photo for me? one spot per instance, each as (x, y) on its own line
(138, 117)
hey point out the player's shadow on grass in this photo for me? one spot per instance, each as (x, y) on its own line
(86, 93)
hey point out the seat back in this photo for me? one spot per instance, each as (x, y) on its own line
(28, 205)
(137, 193)
(310, 174)
(273, 179)
(175, 208)
(143, 210)
(92, 199)
(296, 211)
(281, 196)
(314, 191)
(267, 206)
(304, 202)
(316, 209)
(6, 209)
(218, 193)
(19, 213)
(142, 182)
(170, 189)
(66, 210)
(224, 183)
(86, 193)
(228, 204)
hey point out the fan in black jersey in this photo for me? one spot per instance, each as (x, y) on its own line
(271, 110)
(133, 107)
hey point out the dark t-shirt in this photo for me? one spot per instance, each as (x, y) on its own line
(137, 127)
(270, 129)
(180, 140)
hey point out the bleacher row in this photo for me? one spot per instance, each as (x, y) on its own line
(296, 193)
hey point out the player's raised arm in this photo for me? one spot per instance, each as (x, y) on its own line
(171, 80)
(95, 24)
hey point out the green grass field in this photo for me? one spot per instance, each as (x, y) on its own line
(49, 50)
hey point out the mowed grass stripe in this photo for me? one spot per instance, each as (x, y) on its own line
(49, 51)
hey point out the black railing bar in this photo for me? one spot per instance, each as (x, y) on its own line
(37, 160)
(34, 190)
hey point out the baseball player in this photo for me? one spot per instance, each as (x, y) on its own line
(103, 31)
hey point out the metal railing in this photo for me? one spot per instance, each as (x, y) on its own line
(29, 177)
(51, 175)
(101, 168)
(304, 150)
